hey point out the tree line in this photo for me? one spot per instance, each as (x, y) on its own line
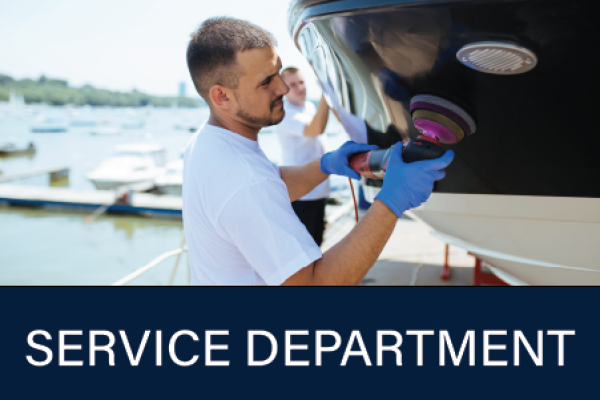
(58, 92)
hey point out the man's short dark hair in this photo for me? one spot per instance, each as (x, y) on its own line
(211, 53)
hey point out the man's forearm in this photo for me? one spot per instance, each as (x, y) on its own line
(348, 261)
(406, 186)
(300, 180)
(317, 125)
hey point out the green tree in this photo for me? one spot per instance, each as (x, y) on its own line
(58, 92)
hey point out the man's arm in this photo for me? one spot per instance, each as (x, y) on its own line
(349, 260)
(405, 186)
(317, 125)
(301, 179)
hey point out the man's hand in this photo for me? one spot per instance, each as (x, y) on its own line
(406, 186)
(336, 162)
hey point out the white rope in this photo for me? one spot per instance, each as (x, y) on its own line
(177, 262)
(152, 264)
(415, 273)
(100, 210)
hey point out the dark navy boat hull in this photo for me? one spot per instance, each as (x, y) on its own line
(536, 132)
(522, 193)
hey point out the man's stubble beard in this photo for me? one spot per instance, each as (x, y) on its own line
(260, 121)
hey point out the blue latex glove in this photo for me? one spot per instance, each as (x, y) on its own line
(336, 162)
(406, 186)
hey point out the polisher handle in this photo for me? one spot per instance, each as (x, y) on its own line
(422, 148)
(373, 164)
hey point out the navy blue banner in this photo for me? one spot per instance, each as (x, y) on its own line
(299, 343)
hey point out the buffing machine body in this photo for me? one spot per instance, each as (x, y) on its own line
(439, 120)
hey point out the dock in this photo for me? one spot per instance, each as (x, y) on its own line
(56, 173)
(113, 201)
(413, 256)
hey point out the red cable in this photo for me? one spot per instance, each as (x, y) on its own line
(353, 198)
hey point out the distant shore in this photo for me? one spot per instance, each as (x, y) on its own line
(57, 92)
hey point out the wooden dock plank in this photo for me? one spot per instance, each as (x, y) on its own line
(156, 201)
(63, 197)
(55, 173)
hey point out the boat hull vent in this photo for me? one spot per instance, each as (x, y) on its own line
(497, 58)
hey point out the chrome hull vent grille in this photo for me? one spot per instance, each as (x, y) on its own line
(497, 58)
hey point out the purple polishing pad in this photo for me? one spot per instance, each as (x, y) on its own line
(444, 107)
(435, 130)
(444, 111)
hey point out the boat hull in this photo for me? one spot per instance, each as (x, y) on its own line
(16, 152)
(520, 193)
(114, 184)
(48, 129)
(537, 240)
(171, 189)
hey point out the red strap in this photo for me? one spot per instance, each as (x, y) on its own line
(429, 139)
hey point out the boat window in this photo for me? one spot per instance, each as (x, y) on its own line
(302, 42)
(327, 67)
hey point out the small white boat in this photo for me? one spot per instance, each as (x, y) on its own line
(11, 149)
(83, 122)
(133, 124)
(171, 181)
(138, 164)
(106, 131)
(187, 126)
(16, 105)
(49, 125)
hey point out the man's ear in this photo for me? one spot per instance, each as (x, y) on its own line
(221, 97)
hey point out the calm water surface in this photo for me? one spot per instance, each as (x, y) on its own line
(57, 247)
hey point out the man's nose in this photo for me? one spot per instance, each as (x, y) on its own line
(282, 88)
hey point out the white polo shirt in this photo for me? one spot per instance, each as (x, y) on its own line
(238, 220)
(297, 149)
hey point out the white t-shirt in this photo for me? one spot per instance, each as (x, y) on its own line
(238, 220)
(297, 149)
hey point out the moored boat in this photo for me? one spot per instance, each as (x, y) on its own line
(49, 125)
(138, 163)
(170, 182)
(83, 122)
(133, 124)
(106, 131)
(12, 149)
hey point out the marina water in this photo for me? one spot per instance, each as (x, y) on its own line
(57, 247)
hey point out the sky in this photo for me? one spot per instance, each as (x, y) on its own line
(125, 44)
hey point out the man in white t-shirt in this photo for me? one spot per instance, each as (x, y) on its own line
(237, 214)
(298, 135)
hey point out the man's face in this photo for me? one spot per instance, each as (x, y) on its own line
(260, 91)
(295, 81)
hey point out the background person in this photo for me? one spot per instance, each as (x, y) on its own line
(298, 135)
(237, 215)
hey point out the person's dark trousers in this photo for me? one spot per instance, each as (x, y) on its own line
(312, 214)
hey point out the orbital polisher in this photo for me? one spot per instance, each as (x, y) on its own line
(437, 119)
